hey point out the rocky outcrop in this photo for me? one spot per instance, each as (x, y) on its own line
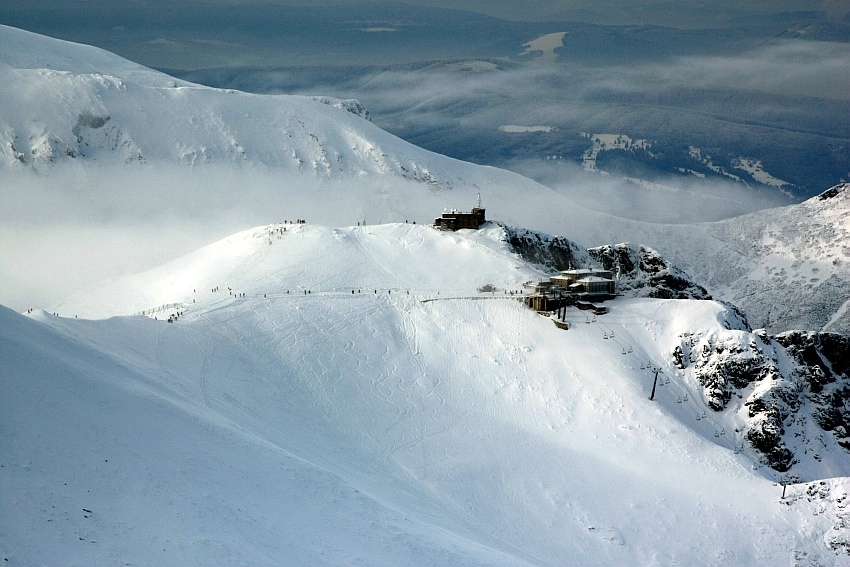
(790, 389)
(833, 192)
(552, 253)
(351, 105)
(823, 359)
(644, 273)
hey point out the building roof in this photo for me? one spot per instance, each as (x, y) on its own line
(585, 271)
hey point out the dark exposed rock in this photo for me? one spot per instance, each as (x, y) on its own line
(735, 317)
(642, 270)
(823, 360)
(789, 381)
(553, 253)
(765, 435)
(88, 120)
(829, 351)
(645, 273)
(833, 191)
(351, 105)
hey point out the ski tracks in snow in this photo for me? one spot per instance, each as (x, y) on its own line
(678, 392)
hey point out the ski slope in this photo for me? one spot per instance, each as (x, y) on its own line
(416, 422)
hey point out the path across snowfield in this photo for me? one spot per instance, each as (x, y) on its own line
(391, 258)
(381, 428)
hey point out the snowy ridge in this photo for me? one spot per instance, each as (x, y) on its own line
(787, 267)
(282, 261)
(293, 258)
(96, 106)
(399, 414)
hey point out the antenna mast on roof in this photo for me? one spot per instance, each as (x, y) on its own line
(479, 201)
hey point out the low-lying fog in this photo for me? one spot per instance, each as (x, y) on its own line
(70, 227)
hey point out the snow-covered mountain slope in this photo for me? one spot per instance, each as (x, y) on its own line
(787, 268)
(386, 257)
(64, 101)
(295, 258)
(439, 426)
(301, 259)
(108, 459)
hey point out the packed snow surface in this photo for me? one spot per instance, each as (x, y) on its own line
(347, 396)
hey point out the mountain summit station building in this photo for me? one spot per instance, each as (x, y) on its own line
(453, 220)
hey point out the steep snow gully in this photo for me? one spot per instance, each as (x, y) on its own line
(346, 396)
